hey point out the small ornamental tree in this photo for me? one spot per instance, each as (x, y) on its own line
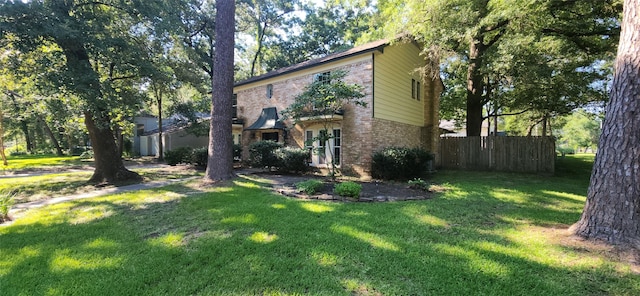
(323, 100)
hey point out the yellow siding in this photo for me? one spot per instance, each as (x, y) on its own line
(393, 71)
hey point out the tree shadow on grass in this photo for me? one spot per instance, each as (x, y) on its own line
(246, 240)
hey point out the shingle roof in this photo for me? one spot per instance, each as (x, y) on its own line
(369, 47)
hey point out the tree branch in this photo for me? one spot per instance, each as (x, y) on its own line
(99, 3)
(507, 114)
(122, 77)
(499, 26)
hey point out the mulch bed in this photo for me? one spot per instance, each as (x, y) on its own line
(372, 191)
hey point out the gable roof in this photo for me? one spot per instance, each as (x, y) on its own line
(369, 47)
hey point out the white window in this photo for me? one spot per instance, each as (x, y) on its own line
(269, 91)
(324, 77)
(323, 153)
(415, 89)
(234, 106)
(337, 139)
(308, 144)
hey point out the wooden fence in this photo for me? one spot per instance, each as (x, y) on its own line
(510, 154)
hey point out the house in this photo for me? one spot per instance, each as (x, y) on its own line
(451, 128)
(174, 134)
(402, 105)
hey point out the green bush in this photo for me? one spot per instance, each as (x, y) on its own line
(419, 184)
(292, 160)
(348, 189)
(6, 201)
(77, 150)
(565, 150)
(178, 155)
(17, 153)
(262, 154)
(200, 157)
(400, 163)
(309, 187)
(237, 152)
(88, 154)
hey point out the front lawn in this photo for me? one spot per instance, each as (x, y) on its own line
(48, 185)
(488, 234)
(31, 162)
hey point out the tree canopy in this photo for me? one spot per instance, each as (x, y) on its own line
(510, 57)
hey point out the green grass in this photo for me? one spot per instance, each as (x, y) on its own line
(487, 234)
(24, 162)
(38, 187)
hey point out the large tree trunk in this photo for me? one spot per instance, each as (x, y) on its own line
(160, 143)
(612, 210)
(4, 157)
(53, 138)
(109, 167)
(475, 87)
(27, 136)
(220, 163)
(24, 126)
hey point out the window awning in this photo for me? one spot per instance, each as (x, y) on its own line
(268, 120)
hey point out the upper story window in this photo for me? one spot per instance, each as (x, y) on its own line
(269, 91)
(234, 106)
(415, 89)
(324, 77)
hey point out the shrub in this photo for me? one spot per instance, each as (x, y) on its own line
(419, 184)
(88, 154)
(348, 189)
(237, 152)
(200, 157)
(309, 187)
(565, 150)
(262, 154)
(178, 155)
(400, 163)
(18, 153)
(77, 150)
(292, 160)
(6, 201)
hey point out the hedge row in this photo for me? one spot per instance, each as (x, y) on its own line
(272, 155)
(400, 163)
(194, 156)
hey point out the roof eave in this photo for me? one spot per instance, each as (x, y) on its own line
(295, 68)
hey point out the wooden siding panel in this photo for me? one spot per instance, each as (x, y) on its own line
(393, 72)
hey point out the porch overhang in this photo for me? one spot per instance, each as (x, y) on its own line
(268, 120)
(337, 116)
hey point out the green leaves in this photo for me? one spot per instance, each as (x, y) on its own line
(325, 97)
(516, 55)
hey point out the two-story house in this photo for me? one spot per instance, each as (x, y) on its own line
(402, 105)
